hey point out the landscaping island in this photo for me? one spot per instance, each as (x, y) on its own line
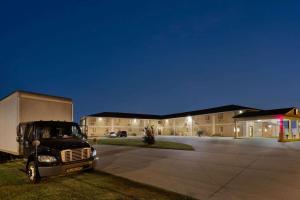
(138, 142)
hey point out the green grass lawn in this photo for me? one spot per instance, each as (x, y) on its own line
(291, 140)
(138, 142)
(87, 185)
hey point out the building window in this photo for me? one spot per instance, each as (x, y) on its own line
(92, 122)
(207, 117)
(220, 116)
(221, 129)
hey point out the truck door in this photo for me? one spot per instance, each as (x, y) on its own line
(20, 138)
(28, 138)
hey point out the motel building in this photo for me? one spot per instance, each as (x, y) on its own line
(225, 121)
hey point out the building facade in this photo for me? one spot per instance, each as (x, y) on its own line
(228, 121)
(277, 123)
(217, 121)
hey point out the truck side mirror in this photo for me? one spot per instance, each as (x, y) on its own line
(19, 139)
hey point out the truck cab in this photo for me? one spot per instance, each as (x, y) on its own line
(54, 147)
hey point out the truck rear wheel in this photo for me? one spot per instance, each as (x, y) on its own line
(33, 173)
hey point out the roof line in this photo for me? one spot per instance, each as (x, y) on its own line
(213, 108)
(175, 115)
(35, 93)
(278, 111)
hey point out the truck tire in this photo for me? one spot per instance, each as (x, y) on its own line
(33, 173)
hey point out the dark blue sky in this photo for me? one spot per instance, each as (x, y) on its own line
(153, 56)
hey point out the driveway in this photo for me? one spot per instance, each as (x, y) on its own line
(219, 168)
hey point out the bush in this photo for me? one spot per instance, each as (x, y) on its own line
(200, 133)
(95, 140)
(149, 137)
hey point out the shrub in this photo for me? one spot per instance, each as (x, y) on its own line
(149, 137)
(200, 133)
(94, 140)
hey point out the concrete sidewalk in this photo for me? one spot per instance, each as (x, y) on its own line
(220, 168)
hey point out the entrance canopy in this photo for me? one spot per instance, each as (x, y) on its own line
(280, 123)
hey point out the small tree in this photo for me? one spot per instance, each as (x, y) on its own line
(149, 135)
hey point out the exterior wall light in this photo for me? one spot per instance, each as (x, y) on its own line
(99, 118)
(240, 112)
(189, 119)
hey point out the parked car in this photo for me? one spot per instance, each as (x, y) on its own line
(117, 134)
(122, 134)
(112, 134)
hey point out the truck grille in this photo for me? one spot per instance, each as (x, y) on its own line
(70, 155)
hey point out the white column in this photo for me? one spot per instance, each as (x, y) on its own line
(235, 129)
(192, 126)
(112, 124)
(290, 127)
(174, 128)
(297, 125)
(213, 125)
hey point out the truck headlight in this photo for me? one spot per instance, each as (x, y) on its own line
(47, 159)
(94, 153)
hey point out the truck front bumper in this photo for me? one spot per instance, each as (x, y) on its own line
(66, 168)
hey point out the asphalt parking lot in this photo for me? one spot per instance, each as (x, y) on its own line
(219, 168)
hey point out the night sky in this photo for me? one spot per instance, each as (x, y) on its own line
(153, 57)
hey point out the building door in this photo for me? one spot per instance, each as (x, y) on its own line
(159, 131)
(250, 131)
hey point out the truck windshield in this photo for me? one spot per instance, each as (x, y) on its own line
(58, 132)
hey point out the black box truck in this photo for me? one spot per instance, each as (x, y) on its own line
(40, 129)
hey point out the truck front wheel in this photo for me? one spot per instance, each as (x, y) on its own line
(33, 173)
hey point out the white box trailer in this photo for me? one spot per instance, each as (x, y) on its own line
(22, 106)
